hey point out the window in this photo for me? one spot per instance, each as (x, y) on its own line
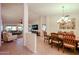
(14, 28)
(8, 28)
(20, 28)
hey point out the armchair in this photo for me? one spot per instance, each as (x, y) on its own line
(69, 42)
(7, 36)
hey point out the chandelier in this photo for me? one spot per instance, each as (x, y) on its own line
(64, 19)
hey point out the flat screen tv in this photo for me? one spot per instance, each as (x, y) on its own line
(35, 27)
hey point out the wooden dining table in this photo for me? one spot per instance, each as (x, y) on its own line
(50, 39)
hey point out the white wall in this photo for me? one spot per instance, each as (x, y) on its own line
(40, 20)
(12, 13)
(37, 21)
(52, 26)
(50, 21)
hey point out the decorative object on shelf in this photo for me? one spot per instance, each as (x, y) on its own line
(65, 22)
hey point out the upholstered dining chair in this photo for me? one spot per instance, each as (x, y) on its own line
(69, 43)
(46, 37)
(56, 40)
(7, 37)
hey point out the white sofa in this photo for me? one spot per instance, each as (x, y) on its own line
(7, 36)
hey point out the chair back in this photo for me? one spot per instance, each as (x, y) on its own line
(54, 36)
(45, 33)
(69, 41)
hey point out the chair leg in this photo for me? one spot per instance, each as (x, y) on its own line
(58, 46)
(63, 49)
(75, 52)
(52, 44)
(49, 42)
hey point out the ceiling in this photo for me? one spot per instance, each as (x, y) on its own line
(12, 13)
(54, 9)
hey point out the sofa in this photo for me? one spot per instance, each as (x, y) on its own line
(7, 36)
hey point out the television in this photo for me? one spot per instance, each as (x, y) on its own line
(35, 27)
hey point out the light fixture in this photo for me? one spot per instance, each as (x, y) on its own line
(64, 18)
